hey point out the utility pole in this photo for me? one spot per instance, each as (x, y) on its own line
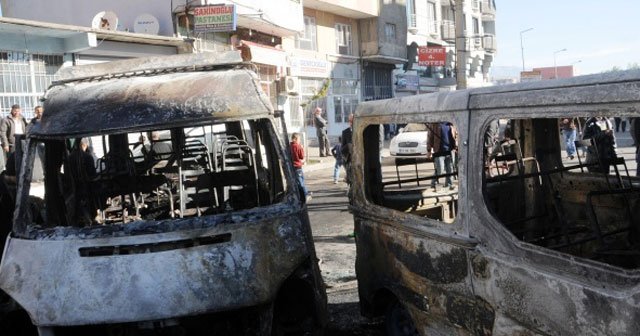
(461, 46)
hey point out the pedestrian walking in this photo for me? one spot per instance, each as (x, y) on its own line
(297, 156)
(568, 128)
(10, 127)
(321, 132)
(337, 154)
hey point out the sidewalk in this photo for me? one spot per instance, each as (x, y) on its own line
(315, 162)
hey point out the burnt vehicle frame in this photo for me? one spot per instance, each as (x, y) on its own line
(211, 236)
(526, 242)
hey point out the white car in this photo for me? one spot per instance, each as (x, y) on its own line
(412, 140)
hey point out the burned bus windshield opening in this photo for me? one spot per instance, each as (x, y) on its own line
(159, 174)
(568, 184)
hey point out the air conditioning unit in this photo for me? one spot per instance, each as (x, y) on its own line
(292, 85)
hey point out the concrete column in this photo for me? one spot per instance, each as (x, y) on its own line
(461, 46)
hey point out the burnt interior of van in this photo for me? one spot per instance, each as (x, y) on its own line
(156, 174)
(584, 203)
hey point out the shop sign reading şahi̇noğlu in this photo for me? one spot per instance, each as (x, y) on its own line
(432, 56)
(215, 18)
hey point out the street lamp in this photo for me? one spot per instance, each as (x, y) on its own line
(522, 45)
(555, 67)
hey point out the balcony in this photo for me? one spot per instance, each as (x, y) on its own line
(448, 29)
(421, 23)
(356, 9)
(475, 5)
(488, 10)
(489, 43)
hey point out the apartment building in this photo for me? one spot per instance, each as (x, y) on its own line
(432, 24)
(352, 46)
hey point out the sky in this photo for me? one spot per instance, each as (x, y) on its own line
(598, 34)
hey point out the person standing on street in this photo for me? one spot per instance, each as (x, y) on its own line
(337, 154)
(11, 126)
(634, 124)
(321, 132)
(297, 156)
(442, 140)
(37, 117)
(346, 148)
(568, 128)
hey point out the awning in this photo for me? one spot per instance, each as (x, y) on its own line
(142, 102)
(264, 54)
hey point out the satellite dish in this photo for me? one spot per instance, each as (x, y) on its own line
(146, 24)
(105, 20)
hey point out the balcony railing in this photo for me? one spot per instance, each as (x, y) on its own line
(489, 43)
(448, 29)
(488, 10)
(421, 22)
(475, 5)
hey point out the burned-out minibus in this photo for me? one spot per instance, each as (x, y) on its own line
(168, 206)
(538, 231)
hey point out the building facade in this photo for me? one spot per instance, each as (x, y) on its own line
(327, 53)
(432, 23)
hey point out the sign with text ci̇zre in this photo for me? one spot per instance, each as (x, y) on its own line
(432, 56)
(215, 18)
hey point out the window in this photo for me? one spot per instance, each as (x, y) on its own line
(390, 32)
(308, 39)
(345, 98)
(24, 78)
(476, 26)
(309, 87)
(565, 184)
(187, 172)
(432, 24)
(343, 39)
(411, 14)
(420, 177)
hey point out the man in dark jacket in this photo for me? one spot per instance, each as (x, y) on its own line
(321, 132)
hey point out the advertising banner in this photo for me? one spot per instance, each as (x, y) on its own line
(214, 18)
(432, 56)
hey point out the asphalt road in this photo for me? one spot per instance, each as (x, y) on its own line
(332, 226)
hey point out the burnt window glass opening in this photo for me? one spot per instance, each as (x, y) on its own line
(157, 174)
(568, 184)
(420, 176)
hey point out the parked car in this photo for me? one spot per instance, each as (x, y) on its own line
(411, 140)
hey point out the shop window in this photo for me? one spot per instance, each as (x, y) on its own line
(565, 184)
(416, 178)
(309, 88)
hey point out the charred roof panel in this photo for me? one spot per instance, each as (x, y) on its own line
(120, 104)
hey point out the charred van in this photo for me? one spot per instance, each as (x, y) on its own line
(529, 225)
(168, 206)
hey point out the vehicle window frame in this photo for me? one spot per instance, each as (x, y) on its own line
(365, 205)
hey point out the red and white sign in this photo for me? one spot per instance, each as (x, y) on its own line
(432, 56)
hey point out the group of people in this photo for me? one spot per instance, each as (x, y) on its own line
(13, 127)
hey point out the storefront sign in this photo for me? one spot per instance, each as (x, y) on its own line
(303, 67)
(432, 56)
(215, 18)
